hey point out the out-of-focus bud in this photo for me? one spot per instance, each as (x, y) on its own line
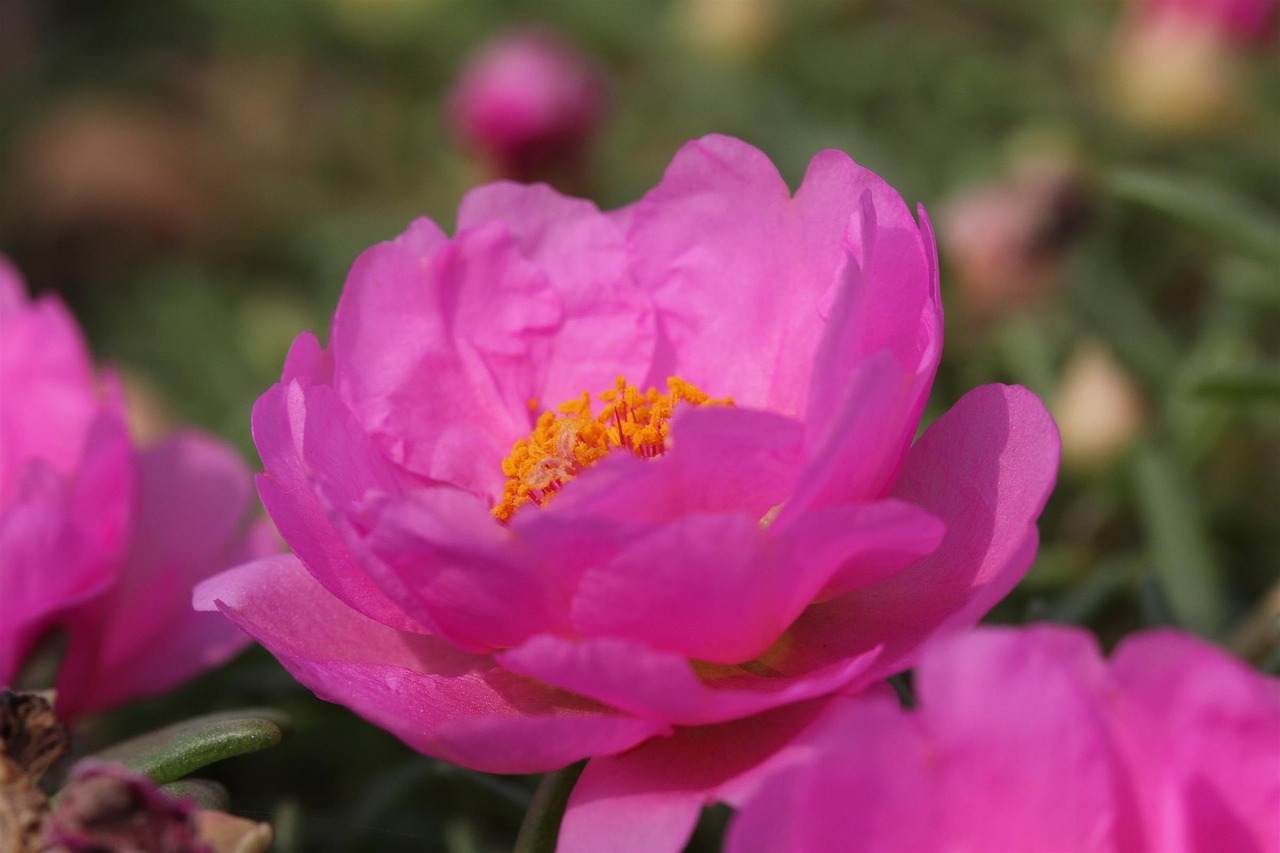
(1098, 407)
(1170, 76)
(733, 31)
(1008, 240)
(227, 833)
(1242, 22)
(107, 807)
(527, 105)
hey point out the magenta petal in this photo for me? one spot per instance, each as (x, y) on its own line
(868, 542)
(439, 350)
(142, 636)
(720, 459)
(608, 329)
(648, 800)
(1047, 727)
(47, 382)
(663, 686)
(868, 787)
(481, 590)
(854, 455)
(438, 699)
(307, 362)
(657, 589)
(985, 468)
(290, 498)
(737, 270)
(1203, 734)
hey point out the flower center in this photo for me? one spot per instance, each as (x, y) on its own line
(571, 439)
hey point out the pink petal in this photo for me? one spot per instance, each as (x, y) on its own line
(287, 492)
(869, 786)
(480, 589)
(608, 327)
(985, 468)
(720, 459)
(739, 270)
(307, 362)
(656, 590)
(875, 363)
(142, 637)
(1042, 745)
(663, 686)
(438, 350)
(47, 385)
(648, 799)
(1202, 731)
(439, 700)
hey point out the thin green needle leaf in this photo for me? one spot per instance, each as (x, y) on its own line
(1178, 544)
(168, 754)
(1230, 220)
(1246, 385)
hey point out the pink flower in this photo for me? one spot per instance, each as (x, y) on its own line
(1028, 740)
(1244, 22)
(710, 580)
(529, 104)
(97, 537)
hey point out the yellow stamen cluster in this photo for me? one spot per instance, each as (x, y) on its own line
(571, 439)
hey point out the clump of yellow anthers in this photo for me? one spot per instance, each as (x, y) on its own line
(571, 439)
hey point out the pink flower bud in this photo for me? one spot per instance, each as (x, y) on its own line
(528, 105)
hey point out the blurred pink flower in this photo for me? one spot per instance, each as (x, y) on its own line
(528, 104)
(1008, 240)
(97, 537)
(1026, 739)
(1244, 22)
(673, 610)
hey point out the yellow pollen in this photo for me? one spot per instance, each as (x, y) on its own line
(571, 439)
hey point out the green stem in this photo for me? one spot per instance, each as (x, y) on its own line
(541, 825)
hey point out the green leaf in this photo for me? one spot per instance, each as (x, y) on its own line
(168, 754)
(206, 793)
(1206, 207)
(1178, 543)
(1245, 385)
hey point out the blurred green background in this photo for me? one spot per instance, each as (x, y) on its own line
(195, 177)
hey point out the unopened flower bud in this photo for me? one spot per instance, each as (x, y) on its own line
(1098, 407)
(527, 105)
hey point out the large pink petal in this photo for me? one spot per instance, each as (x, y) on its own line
(438, 351)
(655, 589)
(61, 538)
(875, 364)
(739, 270)
(985, 468)
(1021, 742)
(663, 686)
(480, 587)
(648, 800)
(289, 495)
(142, 637)
(438, 699)
(868, 786)
(721, 459)
(608, 327)
(48, 395)
(1202, 732)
